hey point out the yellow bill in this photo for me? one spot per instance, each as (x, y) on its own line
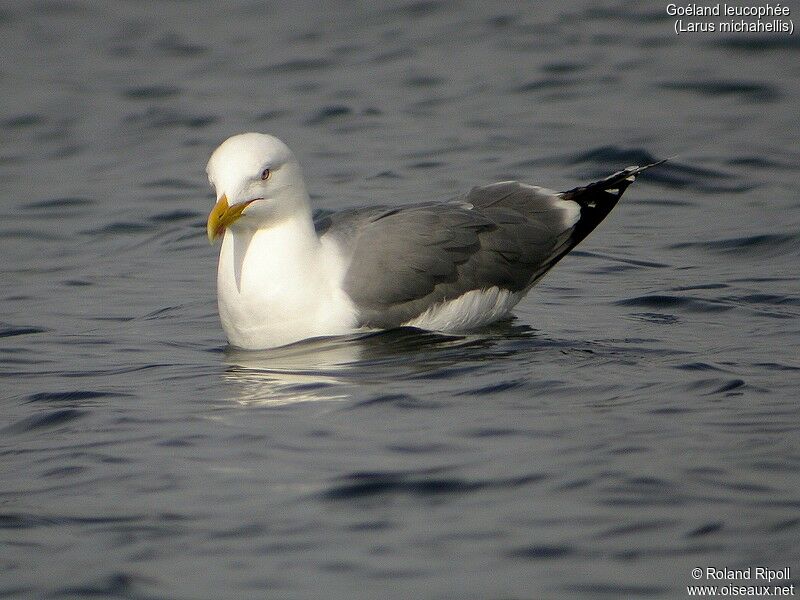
(222, 216)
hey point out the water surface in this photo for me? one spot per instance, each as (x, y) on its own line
(637, 418)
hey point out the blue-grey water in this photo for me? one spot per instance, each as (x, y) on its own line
(637, 418)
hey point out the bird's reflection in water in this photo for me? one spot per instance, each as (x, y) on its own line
(331, 368)
(309, 370)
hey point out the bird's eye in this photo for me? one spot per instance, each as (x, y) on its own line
(265, 175)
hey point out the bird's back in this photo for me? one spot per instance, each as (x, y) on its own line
(405, 260)
(450, 265)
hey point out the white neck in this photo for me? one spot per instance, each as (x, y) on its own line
(276, 284)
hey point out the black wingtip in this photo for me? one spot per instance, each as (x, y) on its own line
(609, 189)
(599, 198)
(651, 165)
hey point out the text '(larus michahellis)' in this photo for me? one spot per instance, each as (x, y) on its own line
(442, 266)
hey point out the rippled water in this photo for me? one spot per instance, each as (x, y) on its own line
(637, 418)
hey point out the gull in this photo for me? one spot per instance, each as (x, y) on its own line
(443, 266)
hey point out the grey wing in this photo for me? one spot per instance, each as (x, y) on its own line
(405, 260)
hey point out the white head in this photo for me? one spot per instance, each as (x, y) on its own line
(259, 173)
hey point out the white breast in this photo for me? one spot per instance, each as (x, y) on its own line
(278, 286)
